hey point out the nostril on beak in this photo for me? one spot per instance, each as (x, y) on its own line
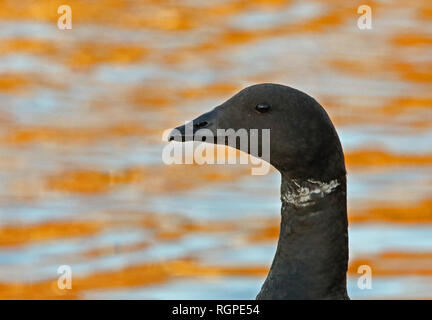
(201, 124)
(173, 134)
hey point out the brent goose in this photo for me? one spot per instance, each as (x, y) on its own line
(312, 252)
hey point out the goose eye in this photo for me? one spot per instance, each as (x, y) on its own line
(262, 107)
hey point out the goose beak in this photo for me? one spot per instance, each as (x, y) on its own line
(196, 129)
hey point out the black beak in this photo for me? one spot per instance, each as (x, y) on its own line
(198, 129)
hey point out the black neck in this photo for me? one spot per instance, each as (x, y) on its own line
(312, 253)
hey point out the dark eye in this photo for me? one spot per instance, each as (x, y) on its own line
(262, 107)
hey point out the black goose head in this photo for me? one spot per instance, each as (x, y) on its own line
(303, 140)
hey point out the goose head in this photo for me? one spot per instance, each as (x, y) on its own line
(302, 143)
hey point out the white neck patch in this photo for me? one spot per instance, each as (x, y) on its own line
(303, 194)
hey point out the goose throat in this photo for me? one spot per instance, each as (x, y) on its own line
(303, 193)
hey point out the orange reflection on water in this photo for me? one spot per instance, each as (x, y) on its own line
(83, 112)
(128, 277)
(16, 235)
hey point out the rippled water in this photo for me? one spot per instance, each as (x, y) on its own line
(81, 120)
